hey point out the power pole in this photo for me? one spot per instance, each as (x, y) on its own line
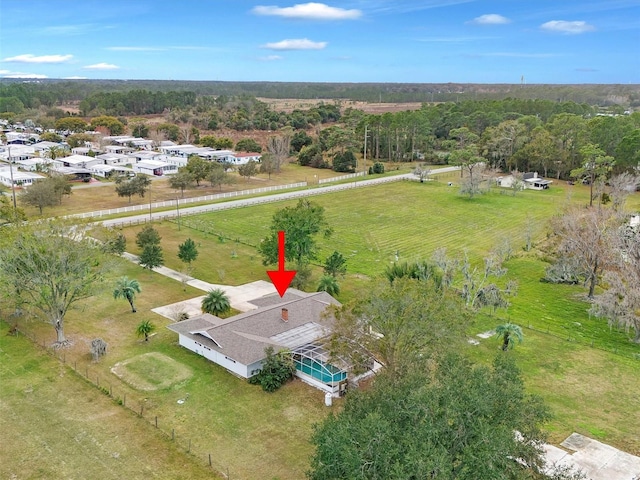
(13, 185)
(365, 148)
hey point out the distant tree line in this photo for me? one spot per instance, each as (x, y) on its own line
(50, 92)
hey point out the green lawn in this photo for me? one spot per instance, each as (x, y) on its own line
(249, 433)
(370, 226)
(55, 425)
(257, 435)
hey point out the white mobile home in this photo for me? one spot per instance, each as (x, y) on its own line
(155, 168)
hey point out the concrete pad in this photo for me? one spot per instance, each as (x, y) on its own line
(205, 286)
(488, 334)
(600, 461)
(553, 454)
(172, 311)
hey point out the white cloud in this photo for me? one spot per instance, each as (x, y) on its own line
(270, 58)
(295, 44)
(30, 58)
(75, 77)
(309, 11)
(490, 19)
(570, 28)
(102, 66)
(25, 75)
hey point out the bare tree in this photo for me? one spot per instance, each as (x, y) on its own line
(622, 186)
(620, 303)
(279, 145)
(422, 171)
(584, 242)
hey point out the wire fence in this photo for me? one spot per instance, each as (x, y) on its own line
(132, 402)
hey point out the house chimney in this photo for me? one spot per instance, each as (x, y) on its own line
(285, 315)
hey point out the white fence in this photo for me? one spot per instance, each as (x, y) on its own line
(256, 201)
(343, 177)
(185, 201)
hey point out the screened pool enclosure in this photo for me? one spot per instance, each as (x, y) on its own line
(312, 359)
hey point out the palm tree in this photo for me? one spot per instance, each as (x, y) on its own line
(126, 288)
(144, 329)
(329, 284)
(216, 302)
(509, 333)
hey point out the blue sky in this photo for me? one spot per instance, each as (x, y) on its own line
(546, 41)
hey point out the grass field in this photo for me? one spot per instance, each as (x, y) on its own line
(55, 425)
(250, 434)
(591, 390)
(102, 196)
(372, 224)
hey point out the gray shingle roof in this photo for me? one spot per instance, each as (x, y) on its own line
(245, 336)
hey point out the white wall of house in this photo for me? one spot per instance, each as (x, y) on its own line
(216, 357)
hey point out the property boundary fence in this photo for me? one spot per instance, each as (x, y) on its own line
(185, 201)
(171, 214)
(343, 177)
(134, 403)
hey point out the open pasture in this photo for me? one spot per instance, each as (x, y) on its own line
(373, 224)
(55, 425)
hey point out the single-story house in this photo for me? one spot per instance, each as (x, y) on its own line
(74, 173)
(79, 161)
(128, 140)
(529, 180)
(39, 164)
(43, 147)
(107, 171)
(20, 178)
(243, 158)
(17, 152)
(118, 149)
(534, 182)
(85, 150)
(177, 161)
(207, 153)
(298, 322)
(155, 167)
(141, 155)
(114, 159)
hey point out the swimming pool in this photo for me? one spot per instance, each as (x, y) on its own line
(324, 372)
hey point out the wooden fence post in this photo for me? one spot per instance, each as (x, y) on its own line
(209, 459)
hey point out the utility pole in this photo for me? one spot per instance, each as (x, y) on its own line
(178, 211)
(365, 148)
(13, 185)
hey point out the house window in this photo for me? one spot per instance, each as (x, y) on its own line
(230, 359)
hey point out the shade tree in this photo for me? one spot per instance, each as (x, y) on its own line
(182, 180)
(442, 418)
(52, 266)
(397, 324)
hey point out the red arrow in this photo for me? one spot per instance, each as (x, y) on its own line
(281, 278)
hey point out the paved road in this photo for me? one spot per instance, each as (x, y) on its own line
(141, 218)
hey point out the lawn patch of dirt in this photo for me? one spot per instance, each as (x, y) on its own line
(151, 371)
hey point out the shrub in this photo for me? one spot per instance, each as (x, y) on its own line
(378, 167)
(277, 369)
